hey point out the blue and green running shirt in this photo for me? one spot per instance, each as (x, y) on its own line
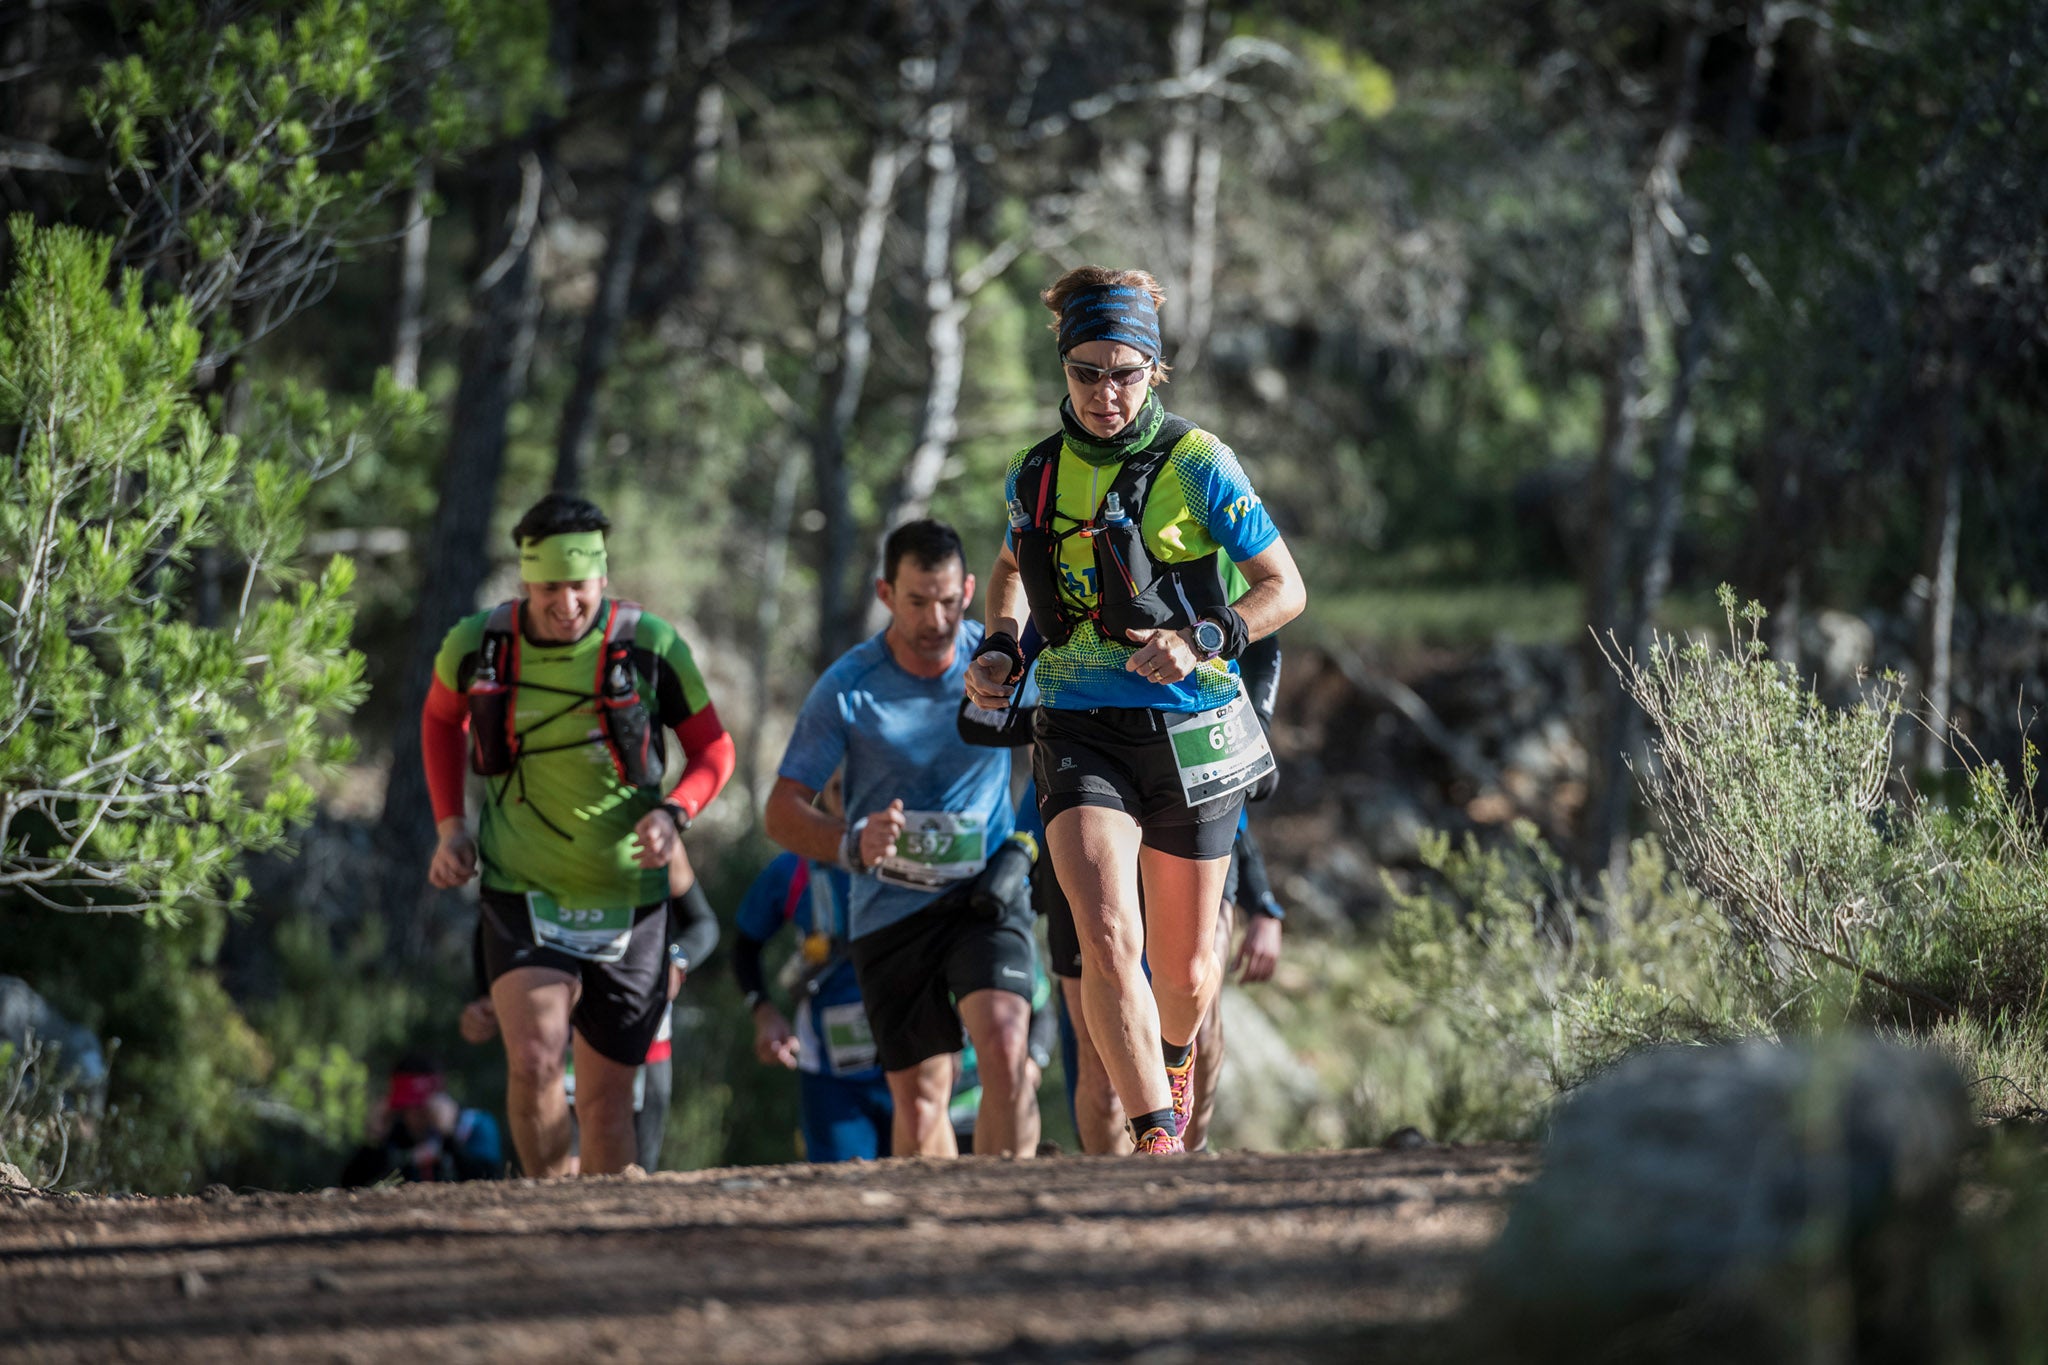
(1200, 504)
(562, 821)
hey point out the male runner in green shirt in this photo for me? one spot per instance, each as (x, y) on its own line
(564, 694)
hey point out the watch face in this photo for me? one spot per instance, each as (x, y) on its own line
(1208, 636)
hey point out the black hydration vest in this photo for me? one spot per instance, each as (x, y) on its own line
(1133, 590)
(630, 734)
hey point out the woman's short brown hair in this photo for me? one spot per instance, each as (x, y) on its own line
(1082, 277)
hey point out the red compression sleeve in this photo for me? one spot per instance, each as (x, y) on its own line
(709, 758)
(444, 721)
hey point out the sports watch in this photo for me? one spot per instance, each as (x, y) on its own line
(1208, 639)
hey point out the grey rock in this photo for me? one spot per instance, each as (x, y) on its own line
(11, 1178)
(1733, 1183)
(1393, 825)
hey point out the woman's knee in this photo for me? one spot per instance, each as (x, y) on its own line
(1186, 973)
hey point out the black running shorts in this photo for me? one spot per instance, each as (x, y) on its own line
(912, 971)
(1121, 758)
(619, 1010)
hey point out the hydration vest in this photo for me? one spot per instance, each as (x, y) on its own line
(630, 734)
(1133, 589)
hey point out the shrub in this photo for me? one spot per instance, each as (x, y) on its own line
(1535, 984)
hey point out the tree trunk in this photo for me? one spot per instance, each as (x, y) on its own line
(1666, 499)
(1177, 175)
(495, 354)
(838, 622)
(669, 287)
(1200, 312)
(945, 326)
(1657, 210)
(1610, 523)
(408, 327)
(1943, 509)
(607, 314)
(768, 614)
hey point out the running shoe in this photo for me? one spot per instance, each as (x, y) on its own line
(1182, 1080)
(1159, 1142)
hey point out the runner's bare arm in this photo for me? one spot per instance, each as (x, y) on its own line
(799, 826)
(1276, 593)
(986, 676)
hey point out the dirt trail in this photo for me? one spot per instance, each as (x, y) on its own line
(1317, 1257)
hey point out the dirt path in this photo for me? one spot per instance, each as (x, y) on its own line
(1236, 1258)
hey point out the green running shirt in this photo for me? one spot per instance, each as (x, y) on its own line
(573, 787)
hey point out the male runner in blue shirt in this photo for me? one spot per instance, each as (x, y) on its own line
(929, 809)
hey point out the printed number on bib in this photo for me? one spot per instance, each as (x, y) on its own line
(935, 849)
(1219, 750)
(847, 1037)
(595, 934)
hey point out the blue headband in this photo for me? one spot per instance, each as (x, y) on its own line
(1110, 312)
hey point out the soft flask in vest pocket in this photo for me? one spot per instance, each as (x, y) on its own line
(492, 745)
(629, 728)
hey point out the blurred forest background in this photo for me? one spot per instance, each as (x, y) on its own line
(1533, 322)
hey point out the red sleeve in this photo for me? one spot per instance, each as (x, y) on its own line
(444, 721)
(708, 761)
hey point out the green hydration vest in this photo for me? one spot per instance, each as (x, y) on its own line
(498, 743)
(1134, 590)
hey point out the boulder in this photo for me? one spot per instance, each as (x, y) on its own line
(1704, 1202)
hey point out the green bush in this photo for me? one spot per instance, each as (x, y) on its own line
(1807, 886)
(1527, 985)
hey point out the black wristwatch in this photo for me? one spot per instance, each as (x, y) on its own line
(1209, 639)
(679, 815)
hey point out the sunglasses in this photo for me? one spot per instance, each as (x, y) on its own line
(1126, 377)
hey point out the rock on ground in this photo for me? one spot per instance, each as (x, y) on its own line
(1728, 1195)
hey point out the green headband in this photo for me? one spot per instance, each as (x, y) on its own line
(569, 557)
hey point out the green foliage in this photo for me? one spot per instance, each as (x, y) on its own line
(254, 142)
(1767, 795)
(1779, 807)
(1802, 892)
(142, 751)
(1527, 985)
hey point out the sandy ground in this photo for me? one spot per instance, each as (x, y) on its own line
(1336, 1256)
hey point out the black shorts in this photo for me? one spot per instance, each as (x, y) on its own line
(1121, 758)
(1062, 939)
(911, 973)
(620, 1007)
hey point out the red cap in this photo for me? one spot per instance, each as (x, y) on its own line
(411, 1089)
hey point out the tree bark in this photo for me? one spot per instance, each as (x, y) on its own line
(1659, 237)
(1609, 522)
(496, 350)
(1943, 509)
(838, 621)
(945, 325)
(601, 326)
(768, 613)
(1177, 158)
(408, 327)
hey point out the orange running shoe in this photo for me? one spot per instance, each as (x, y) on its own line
(1182, 1080)
(1159, 1142)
